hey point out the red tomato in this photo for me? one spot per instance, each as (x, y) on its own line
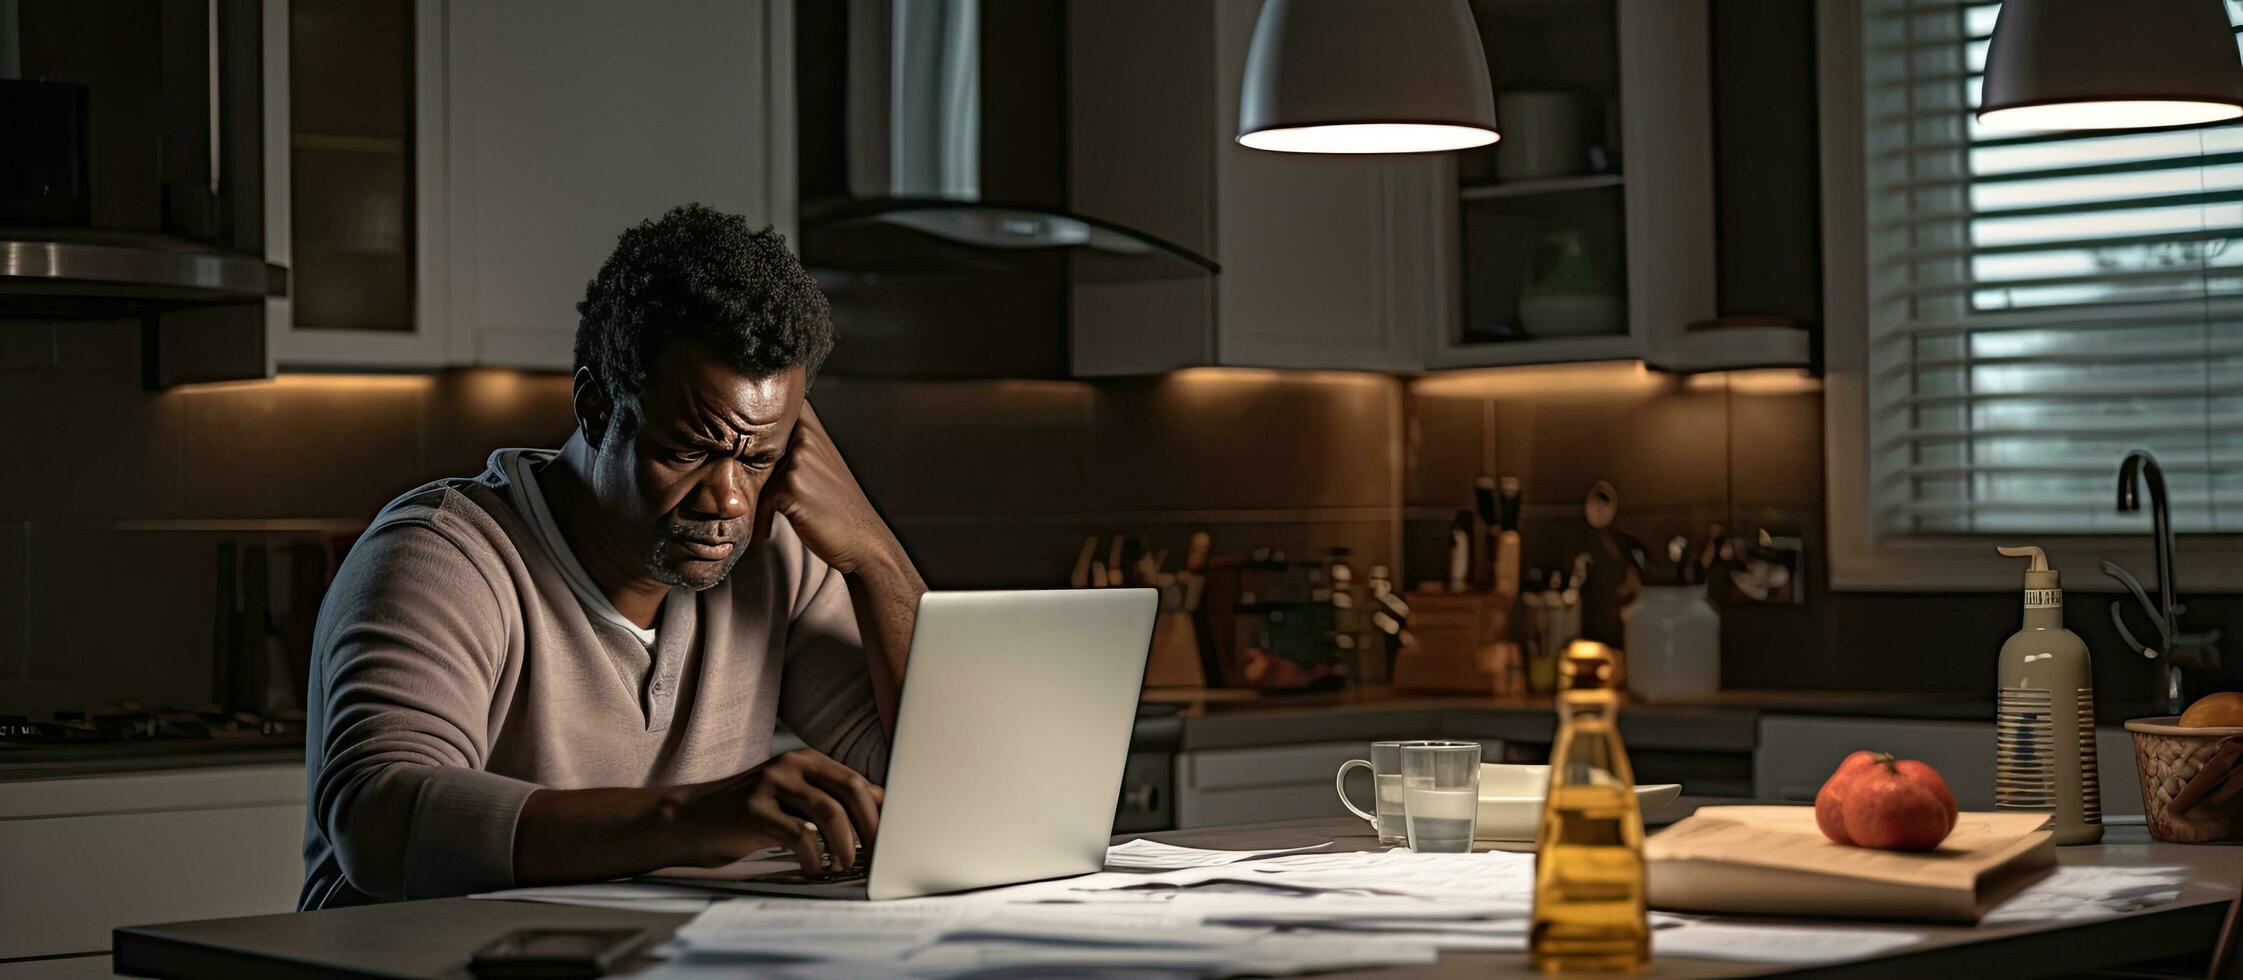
(1898, 805)
(1831, 801)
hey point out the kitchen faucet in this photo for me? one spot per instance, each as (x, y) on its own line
(2173, 649)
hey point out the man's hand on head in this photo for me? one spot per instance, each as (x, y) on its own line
(814, 488)
(820, 497)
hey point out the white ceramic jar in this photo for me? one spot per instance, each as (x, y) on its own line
(1674, 644)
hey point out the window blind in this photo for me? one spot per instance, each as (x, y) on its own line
(2040, 303)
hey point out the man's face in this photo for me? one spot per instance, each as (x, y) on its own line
(681, 467)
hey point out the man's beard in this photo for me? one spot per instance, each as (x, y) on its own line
(661, 564)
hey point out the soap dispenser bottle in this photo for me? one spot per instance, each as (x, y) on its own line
(2044, 726)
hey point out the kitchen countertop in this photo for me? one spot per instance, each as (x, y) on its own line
(70, 761)
(1724, 723)
(1196, 719)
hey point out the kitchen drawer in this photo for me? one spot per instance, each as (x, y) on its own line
(1797, 753)
(1284, 765)
(1229, 786)
(80, 857)
(1148, 794)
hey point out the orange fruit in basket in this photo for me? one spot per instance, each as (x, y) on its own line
(2222, 710)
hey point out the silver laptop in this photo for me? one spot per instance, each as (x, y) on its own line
(1015, 723)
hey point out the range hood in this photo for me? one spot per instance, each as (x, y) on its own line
(964, 168)
(78, 271)
(948, 124)
(201, 308)
(132, 180)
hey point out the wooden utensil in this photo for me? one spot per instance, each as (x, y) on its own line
(1080, 577)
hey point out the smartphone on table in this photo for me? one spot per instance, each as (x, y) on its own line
(555, 954)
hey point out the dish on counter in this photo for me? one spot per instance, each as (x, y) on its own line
(1511, 800)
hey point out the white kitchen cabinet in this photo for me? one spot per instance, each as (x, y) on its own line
(1215, 787)
(541, 129)
(571, 121)
(1328, 261)
(1646, 225)
(1394, 263)
(365, 119)
(1797, 753)
(1643, 231)
(80, 857)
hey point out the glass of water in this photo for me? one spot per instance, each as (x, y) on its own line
(1386, 790)
(1440, 795)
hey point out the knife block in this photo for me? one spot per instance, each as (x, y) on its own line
(1175, 661)
(1449, 628)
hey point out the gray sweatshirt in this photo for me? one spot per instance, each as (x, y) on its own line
(454, 672)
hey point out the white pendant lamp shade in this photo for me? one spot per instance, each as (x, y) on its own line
(2110, 64)
(1366, 76)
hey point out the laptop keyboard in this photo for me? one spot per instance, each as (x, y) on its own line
(820, 878)
(799, 877)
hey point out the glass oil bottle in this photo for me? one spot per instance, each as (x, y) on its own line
(1589, 901)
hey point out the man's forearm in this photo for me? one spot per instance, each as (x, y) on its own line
(885, 596)
(574, 835)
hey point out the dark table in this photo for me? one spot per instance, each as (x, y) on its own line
(433, 938)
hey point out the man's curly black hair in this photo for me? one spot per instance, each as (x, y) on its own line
(709, 277)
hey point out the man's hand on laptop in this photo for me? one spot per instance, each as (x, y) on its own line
(803, 801)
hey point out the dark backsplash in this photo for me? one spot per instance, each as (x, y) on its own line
(114, 513)
(1745, 452)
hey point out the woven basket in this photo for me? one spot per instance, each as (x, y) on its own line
(2168, 758)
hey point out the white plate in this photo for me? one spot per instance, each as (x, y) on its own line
(1511, 800)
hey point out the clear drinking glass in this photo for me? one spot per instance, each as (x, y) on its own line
(1386, 790)
(1440, 795)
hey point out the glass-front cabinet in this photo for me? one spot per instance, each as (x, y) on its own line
(354, 92)
(1586, 232)
(1541, 211)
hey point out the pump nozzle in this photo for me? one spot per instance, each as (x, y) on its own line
(2040, 558)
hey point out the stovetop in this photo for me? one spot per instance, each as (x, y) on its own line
(130, 736)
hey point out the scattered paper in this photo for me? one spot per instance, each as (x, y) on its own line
(1276, 914)
(1777, 944)
(790, 927)
(938, 937)
(2073, 892)
(1479, 935)
(1150, 855)
(684, 966)
(1494, 875)
(1470, 942)
(1279, 914)
(1273, 956)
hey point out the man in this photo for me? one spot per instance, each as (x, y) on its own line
(568, 668)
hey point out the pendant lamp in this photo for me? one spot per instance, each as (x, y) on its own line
(1366, 76)
(2110, 64)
